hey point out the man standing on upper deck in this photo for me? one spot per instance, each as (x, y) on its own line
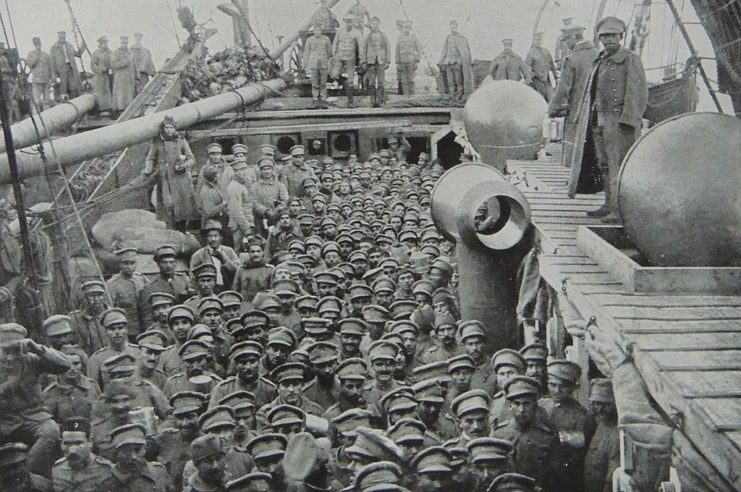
(124, 76)
(408, 54)
(317, 51)
(508, 65)
(324, 18)
(100, 64)
(64, 68)
(562, 48)
(348, 44)
(377, 60)
(40, 65)
(143, 62)
(541, 65)
(455, 65)
(360, 12)
(617, 98)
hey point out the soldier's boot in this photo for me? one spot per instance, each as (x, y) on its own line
(606, 208)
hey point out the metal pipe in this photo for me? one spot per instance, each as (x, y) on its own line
(287, 42)
(56, 118)
(489, 220)
(103, 141)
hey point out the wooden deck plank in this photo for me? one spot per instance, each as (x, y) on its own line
(644, 327)
(670, 313)
(735, 438)
(691, 342)
(680, 360)
(706, 383)
(649, 300)
(725, 413)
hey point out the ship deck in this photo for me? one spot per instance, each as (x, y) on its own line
(687, 348)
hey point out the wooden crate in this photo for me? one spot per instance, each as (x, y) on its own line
(613, 251)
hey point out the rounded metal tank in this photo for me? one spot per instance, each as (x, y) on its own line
(678, 191)
(504, 120)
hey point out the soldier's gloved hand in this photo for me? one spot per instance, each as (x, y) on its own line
(29, 346)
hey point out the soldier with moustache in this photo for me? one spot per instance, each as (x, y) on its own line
(244, 361)
(507, 364)
(131, 471)
(80, 470)
(124, 288)
(445, 345)
(290, 379)
(195, 355)
(471, 411)
(324, 389)
(151, 345)
(72, 394)
(116, 325)
(224, 171)
(169, 281)
(471, 335)
(430, 394)
(159, 304)
(352, 375)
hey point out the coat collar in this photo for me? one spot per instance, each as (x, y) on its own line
(617, 57)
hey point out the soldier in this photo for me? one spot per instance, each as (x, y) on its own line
(39, 63)
(243, 404)
(116, 325)
(64, 68)
(409, 332)
(14, 470)
(317, 51)
(205, 281)
(173, 443)
(282, 234)
(489, 459)
(290, 379)
(471, 410)
(223, 258)
(113, 411)
(513, 481)
(268, 450)
(352, 331)
(59, 335)
(374, 315)
(398, 404)
(324, 18)
(536, 452)
(432, 469)
(346, 49)
(268, 194)
(565, 415)
(125, 76)
(89, 332)
(132, 472)
(461, 369)
(603, 454)
(360, 13)
(455, 65)
(212, 202)
(80, 469)
(471, 335)
(151, 345)
(180, 319)
(244, 360)
(195, 355)
(254, 274)
(562, 48)
(100, 64)
(507, 364)
(508, 65)
(408, 55)
(159, 304)
(168, 281)
(618, 95)
(382, 355)
(252, 482)
(352, 374)
(445, 345)
(224, 172)
(240, 203)
(232, 304)
(430, 401)
(541, 65)
(23, 414)
(209, 457)
(72, 394)
(572, 84)
(143, 62)
(124, 289)
(536, 358)
(377, 60)
(296, 172)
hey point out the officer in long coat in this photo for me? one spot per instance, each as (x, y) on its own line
(143, 62)
(541, 65)
(508, 65)
(64, 68)
(124, 76)
(39, 63)
(100, 64)
(456, 70)
(610, 118)
(576, 67)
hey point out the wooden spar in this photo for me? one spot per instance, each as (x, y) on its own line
(105, 140)
(540, 15)
(288, 42)
(56, 118)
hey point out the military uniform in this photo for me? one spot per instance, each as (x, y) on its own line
(88, 479)
(602, 458)
(264, 390)
(174, 453)
(305, 404)
(252, 278)
(66, 400)
(484, 377)
(124, 292)
(149, 395)
(294, 176)
(346, 48)
(377, 57)
(170, 362)
(95, 367)
(240, 209)
(408, 54)
(100, 435)
(508, 65)
(157, 376)
(373, 393)
(89, 332)
(177, 286)
(438, 353)
(324, 397)
(541, 64)
(180, 382)
(153, 478)
(317, 50)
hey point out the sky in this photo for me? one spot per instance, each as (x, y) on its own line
(483, 22)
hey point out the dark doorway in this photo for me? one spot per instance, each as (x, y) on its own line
(448, 151)
(419, 145)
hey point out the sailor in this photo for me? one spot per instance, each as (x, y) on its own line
(317, 51)
(89, 332)
(575, 69)
(541, 65)
(39, 63)
(143, 62)
(240, 203)
(132, 472)
(125, 75)
(618, 95)
(408, 55)
(125, 287)
(508, 65)
(168, 281)
(456, 71)
(536, 451)
(64, 71)
(346, 49)
(377, 60)
(603, 454)
(80, 470)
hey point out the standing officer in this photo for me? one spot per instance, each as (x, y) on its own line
(377, 61)
(541, 65)
(124, 76)
(40, 65)
(508, 65)
(317, 51)
(143, 62)
(617, 98)
(100, 64)
(64, 68)
(168, 281)
(347, 45)
(575, 69)
(408, 55)
(455, 65)
(124, 288)
(80, 470)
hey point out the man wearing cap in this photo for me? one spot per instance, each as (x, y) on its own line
(471, 335)
(325, 387)
(445, 345)
(432, 469)
(60, 336)
(513, 482)
(575, 70)
(613, 107)
(296, 172)
(79, 470)
(352, 374)
(254, 273)
(151, 345)
(376, 61)
(536, 359)
(223, 258)
(116, 325)
(561, 48)
(348, 42)
(143, 62)
(39, 63)
(205, 283)
(89, 332)
(507, 364)
(209, 457)
(132, 472)
(124, 76)
(317, 51)
(382, 355)
(216, 159)
(408, 55)
(460, 369)
(268, 450)
(124, 288)
(456, 71)
(72, 394)
(603, 454)
(536, 451)
(244, 361)
(14, 471)
(574, 425)
(159, 304)
(508, 65)
(430, 394)
(290, 380)
(471, 411)
(268, 194)
(489, 458)
(112, 410)
(211, 198)
(168, 281)
(239, 204)
(541, 65)
(195, 355)
(282, 234)
(64, 69)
